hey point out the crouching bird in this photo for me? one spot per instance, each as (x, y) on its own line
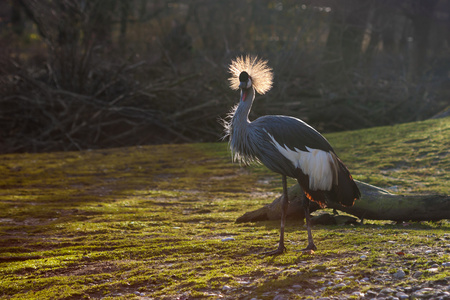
(285, 145)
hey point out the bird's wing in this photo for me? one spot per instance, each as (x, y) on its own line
(292, 133)
(311, 159)
(305, 148)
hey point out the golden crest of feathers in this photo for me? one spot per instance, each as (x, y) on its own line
(258, 70)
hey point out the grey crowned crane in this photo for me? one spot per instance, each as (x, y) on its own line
(285, 145)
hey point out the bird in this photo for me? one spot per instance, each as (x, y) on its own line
(286, 145)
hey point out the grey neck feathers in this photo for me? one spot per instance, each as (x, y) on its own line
(239, 130)
(240, 116)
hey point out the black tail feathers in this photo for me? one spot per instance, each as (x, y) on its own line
(345, 192)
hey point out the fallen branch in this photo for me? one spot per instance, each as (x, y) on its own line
(375, 204)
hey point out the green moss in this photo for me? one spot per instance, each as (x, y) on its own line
(413, 156)
(152, 219)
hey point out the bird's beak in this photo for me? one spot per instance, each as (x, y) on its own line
(243, 85)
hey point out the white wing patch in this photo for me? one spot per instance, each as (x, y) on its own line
(319, 165)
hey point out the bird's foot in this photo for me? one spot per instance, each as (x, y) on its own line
(309, 249)
(280, 250)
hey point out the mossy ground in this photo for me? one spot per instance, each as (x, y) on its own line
(153, 222)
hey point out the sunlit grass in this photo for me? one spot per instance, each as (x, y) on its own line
(158, 221)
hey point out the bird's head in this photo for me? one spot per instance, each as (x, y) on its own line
(247, 72)
(245, 82)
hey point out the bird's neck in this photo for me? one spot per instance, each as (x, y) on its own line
(238, 129)
(240, 118)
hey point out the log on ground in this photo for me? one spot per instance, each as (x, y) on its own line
(375, 204)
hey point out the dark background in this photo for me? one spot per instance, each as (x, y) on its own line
(85, 74)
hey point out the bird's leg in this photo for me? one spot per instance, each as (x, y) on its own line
(311, 245)
(284, 206)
